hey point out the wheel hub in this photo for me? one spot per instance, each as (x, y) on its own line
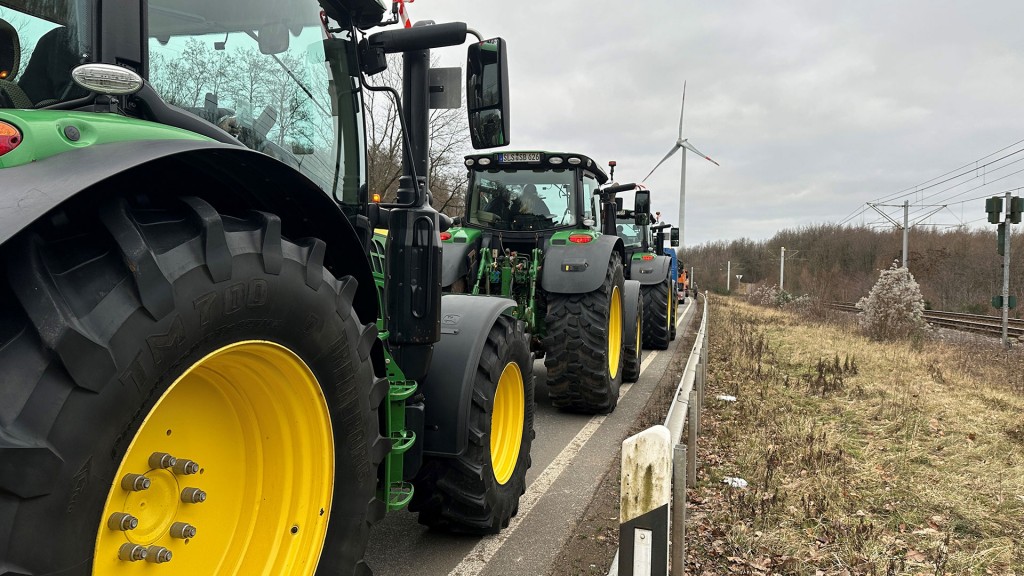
(255, 499)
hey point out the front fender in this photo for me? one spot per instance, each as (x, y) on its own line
(649, 272)
(448, 387)
(232, 178)
(578, 268)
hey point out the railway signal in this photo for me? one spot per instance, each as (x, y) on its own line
(1014, 206)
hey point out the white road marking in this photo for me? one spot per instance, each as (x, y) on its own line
(481, 554)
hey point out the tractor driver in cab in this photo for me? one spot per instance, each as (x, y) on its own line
(531, 203)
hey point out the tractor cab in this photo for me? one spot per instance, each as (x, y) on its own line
(531, 192)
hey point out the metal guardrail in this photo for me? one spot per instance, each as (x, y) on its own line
(649, 460)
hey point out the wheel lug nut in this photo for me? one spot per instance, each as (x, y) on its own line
(193, 496)
(158, 555)
(123, 522)
(185, 467)
(182, 530)
(134, 482)
(131, 553)
(162, 460)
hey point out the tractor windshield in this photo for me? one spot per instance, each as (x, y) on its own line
(513, 199)
(259, 70)
(40, 42)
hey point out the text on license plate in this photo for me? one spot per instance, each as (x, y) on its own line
(519, 157)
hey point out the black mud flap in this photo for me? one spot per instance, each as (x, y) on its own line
(631, 307)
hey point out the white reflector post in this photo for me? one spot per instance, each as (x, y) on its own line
(644, 505)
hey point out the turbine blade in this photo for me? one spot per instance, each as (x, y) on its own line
(667, 156)
(681, 107)
(691, 148)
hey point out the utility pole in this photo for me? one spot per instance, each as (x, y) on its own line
(906, 221)
(906, 230)
(782, 268)
(728, 275)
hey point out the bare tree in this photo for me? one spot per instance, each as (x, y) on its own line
(448, 133)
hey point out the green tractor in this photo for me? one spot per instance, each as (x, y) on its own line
(530, 233)
(207, 358)
(650, 265)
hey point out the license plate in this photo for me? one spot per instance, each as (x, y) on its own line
(509, 157)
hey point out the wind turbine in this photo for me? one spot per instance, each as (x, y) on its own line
(680, 144)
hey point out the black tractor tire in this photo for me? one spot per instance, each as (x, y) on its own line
(632, 350)
(462, 494)
(657, 315)
(580, 375)
(103, 308)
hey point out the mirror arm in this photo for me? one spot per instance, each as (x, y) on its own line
(475, 33)
(405, 134)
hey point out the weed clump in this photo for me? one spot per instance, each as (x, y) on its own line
(894, 308)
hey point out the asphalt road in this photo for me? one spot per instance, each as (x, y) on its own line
(570, 455)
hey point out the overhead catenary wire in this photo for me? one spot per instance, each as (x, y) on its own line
(969, 167)
(965, 170)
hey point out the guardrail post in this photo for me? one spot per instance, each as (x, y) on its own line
(678, 546)
(646, 492)
(691, 441)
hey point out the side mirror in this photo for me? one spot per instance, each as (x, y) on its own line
(272, 38)
(618, 205)
(674, 237)
(642, 207)
(487, 93)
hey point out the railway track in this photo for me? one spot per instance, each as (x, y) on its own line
(977, 323)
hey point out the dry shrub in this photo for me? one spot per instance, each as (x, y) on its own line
(894, 308)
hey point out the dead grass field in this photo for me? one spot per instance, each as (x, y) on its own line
(861, 457)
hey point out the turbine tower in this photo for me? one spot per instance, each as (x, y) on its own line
(680, 144)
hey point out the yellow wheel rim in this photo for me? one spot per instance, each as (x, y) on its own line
(253, 418)
(507, 422)
(615, 333)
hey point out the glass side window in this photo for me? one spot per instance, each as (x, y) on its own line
(258, 70)
(40, 43)
(591, 208)
(522, 199)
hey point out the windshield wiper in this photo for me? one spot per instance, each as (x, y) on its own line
(292, 75)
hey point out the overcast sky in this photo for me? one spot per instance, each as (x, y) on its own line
(812, 107)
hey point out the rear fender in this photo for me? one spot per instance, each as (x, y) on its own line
(232, 178)
(448, 387)
(578, 268)
(649, 272)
